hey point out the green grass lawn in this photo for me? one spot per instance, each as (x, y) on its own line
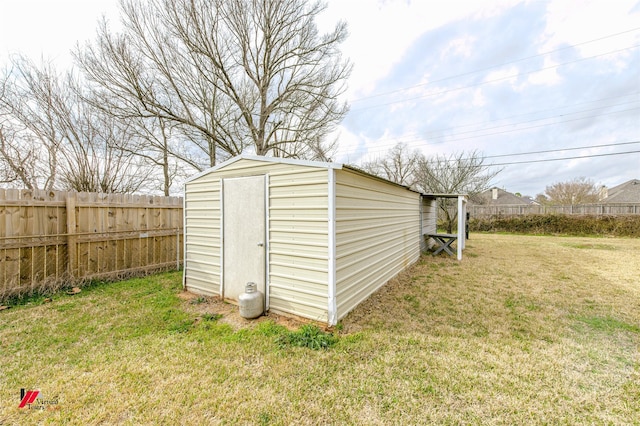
(524, 330)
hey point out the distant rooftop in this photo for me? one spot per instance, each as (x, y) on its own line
(499, 197)
(627, 192)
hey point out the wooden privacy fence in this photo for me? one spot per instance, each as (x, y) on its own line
(49, 239)
(479, 211)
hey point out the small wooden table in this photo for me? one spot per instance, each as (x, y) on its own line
(444, 242)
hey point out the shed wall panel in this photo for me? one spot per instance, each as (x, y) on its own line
(377, 235)
(202, 236)
(429, 221)
(297, 230)
(298, 242)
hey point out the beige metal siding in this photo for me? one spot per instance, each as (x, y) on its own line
(297, 230)
(429, 220)
(298, 242)
(377, 235)
(202, 236)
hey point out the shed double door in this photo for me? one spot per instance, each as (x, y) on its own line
(244, 236)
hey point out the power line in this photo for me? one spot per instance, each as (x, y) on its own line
(563, 149)
(547, 152)
(546, 118)
(417, 136)
(447, 139)
(528, 127)
(492, 66)
(491, 81)
(563, 158)
(479, 135)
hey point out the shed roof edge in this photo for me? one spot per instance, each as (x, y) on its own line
(308, 163)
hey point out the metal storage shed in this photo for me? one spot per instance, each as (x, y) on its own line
(318, 238)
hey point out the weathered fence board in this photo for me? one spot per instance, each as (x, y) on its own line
(51, 238)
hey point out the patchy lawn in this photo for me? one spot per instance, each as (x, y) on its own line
(525, 330)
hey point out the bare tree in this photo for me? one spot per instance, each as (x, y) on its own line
(143, 74)
(461, 173)
(16, 163)
(51, 138)
(232, 74)
(575, 191)
(542, 199)
(30, 138)
(399, 165)
(154, 143)
(94, 161)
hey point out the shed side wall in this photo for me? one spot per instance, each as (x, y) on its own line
(377, 235)
(297, 230)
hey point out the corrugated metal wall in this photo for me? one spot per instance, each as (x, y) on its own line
(298, 234)
(429, 220)
(202, 235)
(377, 235)
(299, 241)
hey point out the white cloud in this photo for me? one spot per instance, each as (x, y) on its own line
(479, 100)
(461, 46)
(500, 76)
(381, 31)
(548, 76)
(352, 147)
(50, 29)
(577, 21)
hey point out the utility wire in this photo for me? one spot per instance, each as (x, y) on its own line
(492, 66)
(445, 139)
(492, 81)
(563, 149)
(522, 128)
(416, 136)
(563, 158)
(547, 152)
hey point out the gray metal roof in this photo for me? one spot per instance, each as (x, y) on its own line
(504, 198)
(627, 192)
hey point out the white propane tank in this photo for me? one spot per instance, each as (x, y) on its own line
(251, 301)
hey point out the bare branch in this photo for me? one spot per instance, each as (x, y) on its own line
(576, 191)
(462, 173)
(232, 75)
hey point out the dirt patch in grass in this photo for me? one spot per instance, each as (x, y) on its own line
(230, 314)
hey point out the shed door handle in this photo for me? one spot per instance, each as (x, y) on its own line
(260, 244)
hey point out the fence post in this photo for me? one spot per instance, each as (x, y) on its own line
(72, 239)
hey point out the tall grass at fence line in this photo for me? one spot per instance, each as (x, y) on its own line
(551, 224)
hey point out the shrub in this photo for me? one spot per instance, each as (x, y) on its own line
(554, 224)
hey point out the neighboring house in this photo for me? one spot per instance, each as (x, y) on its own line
(499, 197)
(496, 201)
(625, 193)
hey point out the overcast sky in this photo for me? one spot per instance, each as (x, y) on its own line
(501, 77)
